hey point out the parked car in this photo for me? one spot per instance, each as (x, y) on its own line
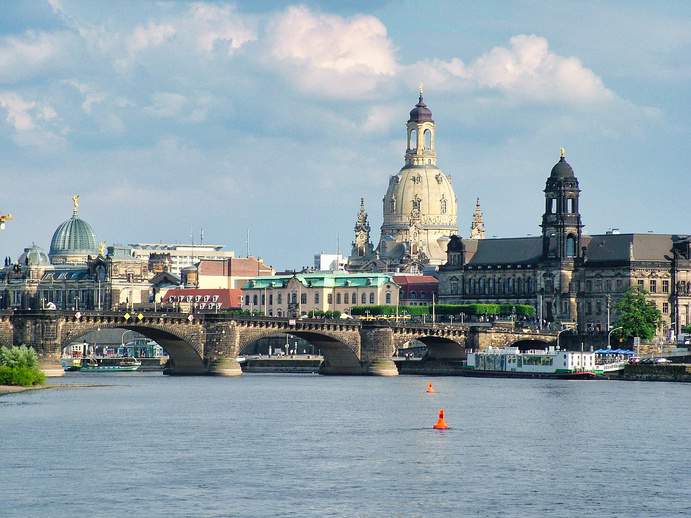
(663, 360)
(634, 360)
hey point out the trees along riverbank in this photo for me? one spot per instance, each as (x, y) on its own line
(19, 366)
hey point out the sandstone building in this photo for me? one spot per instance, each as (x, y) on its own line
(571, 277)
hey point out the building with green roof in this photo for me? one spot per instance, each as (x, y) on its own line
(299, 293)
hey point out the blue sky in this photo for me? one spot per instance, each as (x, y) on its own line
(167, 117)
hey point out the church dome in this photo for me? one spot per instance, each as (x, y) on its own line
(73, 239)
(34, 256)
(562, 169)
(421, 113)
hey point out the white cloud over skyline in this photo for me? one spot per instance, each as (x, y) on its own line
(188, 96)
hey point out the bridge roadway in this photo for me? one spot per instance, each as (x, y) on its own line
(209, 343)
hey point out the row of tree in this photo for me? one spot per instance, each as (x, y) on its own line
(505, 310)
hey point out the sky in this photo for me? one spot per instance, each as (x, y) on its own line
(172, 117)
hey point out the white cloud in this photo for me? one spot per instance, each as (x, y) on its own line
(149, 36)
(381, 118)
(22, 56)
(218, 27)
(167, 104)
(331, 55)
(90, 94)
(527, 70)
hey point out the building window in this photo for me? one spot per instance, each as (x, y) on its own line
(665, 308)
(303, 298)
(353, 298)
(588, 308)
(608, 286)
(263, 299)
(247, 300)
(363, 298)
(329, 298)
(665, 286)
(550, 205)
(619, 284)
(271, 299)
(453, 285)
(571, 205)
(413, 295)
(279, 298)
(570, 246)
(388, 297)
(598, 306)
(641, 284)
(529, 286)
(338, 298)
(520, 286)
(254, 299)
(589, 286)
(371, 298)
(653, 286)
(316, 298)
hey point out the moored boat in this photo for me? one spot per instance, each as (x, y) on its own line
(511, 362)
(110, 364)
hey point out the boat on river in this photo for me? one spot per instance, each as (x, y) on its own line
(511, 362)
(110, 364)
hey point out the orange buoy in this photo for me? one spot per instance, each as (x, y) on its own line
(430, 388)
(441, 423)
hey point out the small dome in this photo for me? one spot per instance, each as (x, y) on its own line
(34, 256)
(74, 237)
(421, 113)
(455, 244)
(562, 169)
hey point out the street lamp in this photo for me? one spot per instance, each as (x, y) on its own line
(610, 334)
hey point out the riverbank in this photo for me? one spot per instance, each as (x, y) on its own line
(15, 389)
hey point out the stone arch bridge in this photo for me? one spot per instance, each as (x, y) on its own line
(206, 343)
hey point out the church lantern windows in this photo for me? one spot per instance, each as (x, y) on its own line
(571, 246)
(427, 139)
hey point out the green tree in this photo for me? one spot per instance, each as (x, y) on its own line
(686, 329)
(636, 316)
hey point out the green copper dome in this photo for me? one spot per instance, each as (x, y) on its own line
(74, 237)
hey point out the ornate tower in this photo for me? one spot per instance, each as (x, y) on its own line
(477, 227)
(362, 246)
(420, 204)
(561, 222)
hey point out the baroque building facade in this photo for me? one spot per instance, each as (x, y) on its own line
(571, 278)
(78, 274)
(419, 208)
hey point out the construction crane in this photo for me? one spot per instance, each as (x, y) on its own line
(3, 219)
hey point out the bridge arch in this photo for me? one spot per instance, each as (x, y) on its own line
(341, 354)
(441, 347)
(185, 350)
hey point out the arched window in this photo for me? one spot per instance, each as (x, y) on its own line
(412, 143)
(453, 285)
(363, 298)
(388, 297)
(529, 286)
(254, 300)
(570, 246)
(428, 139)
(247, 300)
(550, 205)
(371, 298)
(571, 205)
(509, 287)
(413, 295)
(279, 298)
(520, 286)
(482, 286)
(279, 313)
(353, 298)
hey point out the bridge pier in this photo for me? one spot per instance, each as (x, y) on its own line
(377, 349)
(225, 367)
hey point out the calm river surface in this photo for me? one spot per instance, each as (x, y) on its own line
(291, 445)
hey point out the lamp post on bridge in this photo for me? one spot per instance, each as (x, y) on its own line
(559, 334)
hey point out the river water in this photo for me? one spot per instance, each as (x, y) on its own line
(307, 445)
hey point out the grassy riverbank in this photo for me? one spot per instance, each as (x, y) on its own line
(15, 389)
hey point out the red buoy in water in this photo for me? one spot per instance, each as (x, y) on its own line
(441, 423)
(430, 389)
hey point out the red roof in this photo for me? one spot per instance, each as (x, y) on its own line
(226, 298)
(403, 280)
